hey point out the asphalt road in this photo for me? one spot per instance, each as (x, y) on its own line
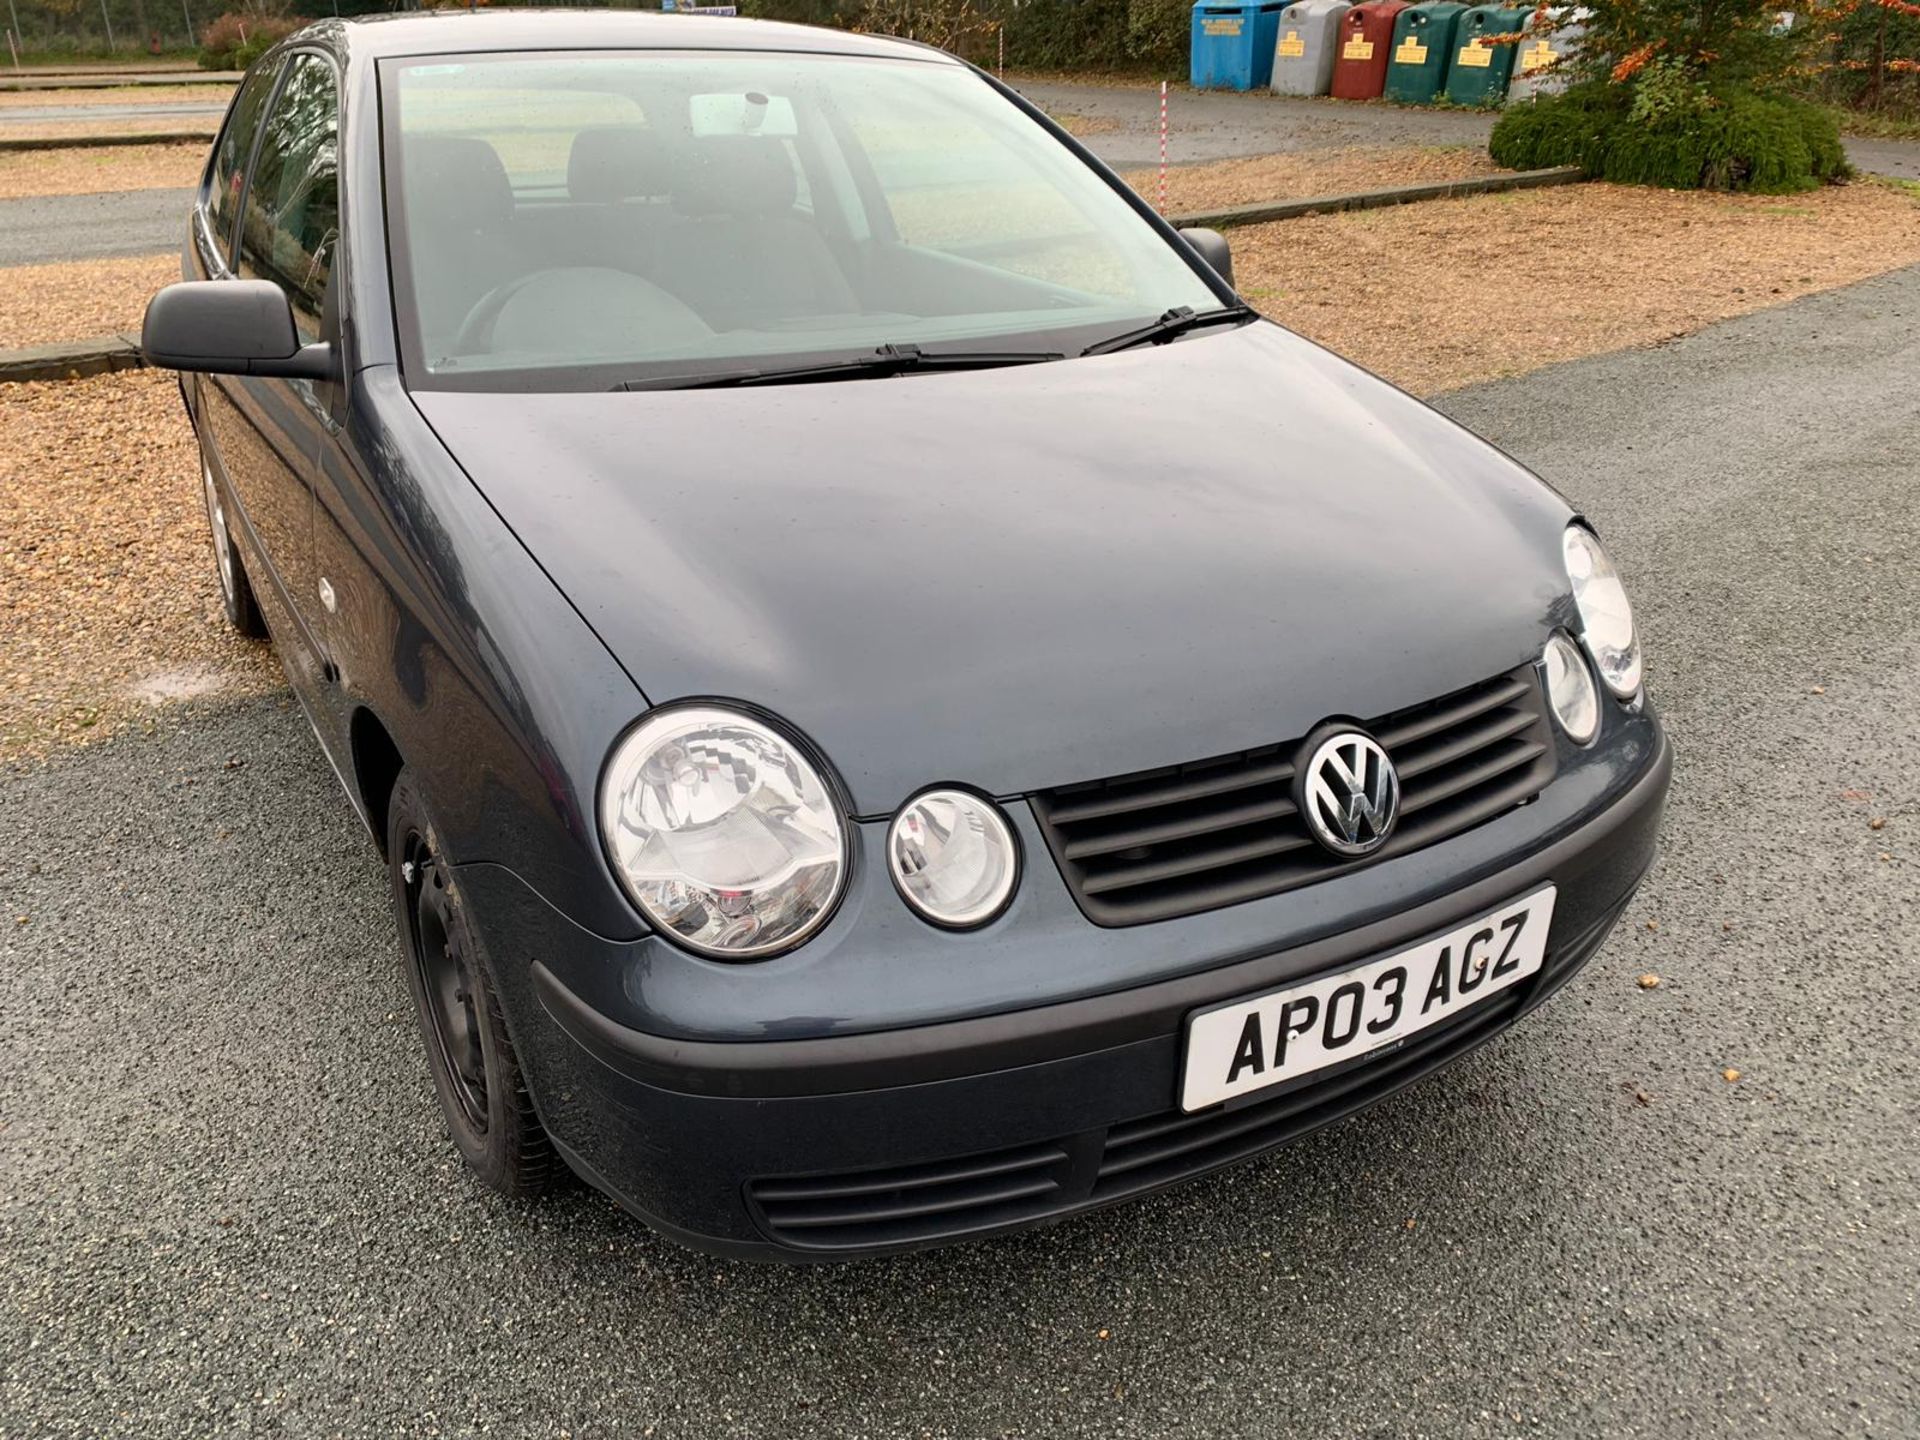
(132, 111)
(226, 1204)
(45, 228)
(1222, 125)
(1203, 126)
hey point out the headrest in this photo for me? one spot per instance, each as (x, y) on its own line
(457, 181)
(735, 175)
(616, 162)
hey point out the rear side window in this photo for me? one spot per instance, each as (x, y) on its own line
(291, 225)
(230, 155)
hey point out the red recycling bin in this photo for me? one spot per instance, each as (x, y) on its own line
(1363, 48)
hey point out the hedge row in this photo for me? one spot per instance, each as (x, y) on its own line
(1735, 141)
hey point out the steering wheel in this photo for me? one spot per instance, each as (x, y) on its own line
(476, 331)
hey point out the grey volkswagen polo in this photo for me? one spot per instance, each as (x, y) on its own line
(894, 707)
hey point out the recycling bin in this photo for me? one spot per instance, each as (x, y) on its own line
(1233, 44)
(1480, 72)
(1541, 66)
(1309, 38)
(1366, 35)
(1422, 46)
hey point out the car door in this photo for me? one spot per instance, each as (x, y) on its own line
(266, 433)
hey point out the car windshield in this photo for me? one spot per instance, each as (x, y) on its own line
(570, 221)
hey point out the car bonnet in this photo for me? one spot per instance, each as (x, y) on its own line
(1032, 576)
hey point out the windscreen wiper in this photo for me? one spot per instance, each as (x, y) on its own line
(887, 360)
(1177, 321)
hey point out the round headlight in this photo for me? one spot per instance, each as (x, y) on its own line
(1576, 704)
(953, 857)
(722, 832)
(1606, 619)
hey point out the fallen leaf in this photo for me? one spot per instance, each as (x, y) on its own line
(1730, 1075)
(1653, 924)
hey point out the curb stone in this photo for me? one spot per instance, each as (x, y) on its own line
(98, 142)
(71, 359)
(1378, 199)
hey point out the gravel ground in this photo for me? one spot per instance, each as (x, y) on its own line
(1320, 172)
(89, 172)
(85, 298)
(225, 1204)
(1453, 291)
(108, 602)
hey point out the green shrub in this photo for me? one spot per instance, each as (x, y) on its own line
(1566, 129)
(1734, 140)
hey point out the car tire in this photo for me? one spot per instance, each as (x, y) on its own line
(236, 591)
(476, 1074)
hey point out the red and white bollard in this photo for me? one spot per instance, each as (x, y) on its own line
(1163, 147)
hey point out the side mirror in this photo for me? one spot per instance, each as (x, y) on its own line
(231, 327)
(1212, 246)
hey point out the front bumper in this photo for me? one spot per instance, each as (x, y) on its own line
(894, 1139)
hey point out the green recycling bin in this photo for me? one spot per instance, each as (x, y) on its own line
(1422, 46)
(1480, 72)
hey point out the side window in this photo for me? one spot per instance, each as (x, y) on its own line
(291, 224)
(230, 155)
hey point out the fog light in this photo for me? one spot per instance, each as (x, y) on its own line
(953, 857)
(1576, 704)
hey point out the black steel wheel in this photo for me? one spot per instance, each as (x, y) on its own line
(476, 1074)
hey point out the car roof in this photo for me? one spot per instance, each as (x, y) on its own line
(490, 30)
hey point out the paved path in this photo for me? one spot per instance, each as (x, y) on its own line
(1203, 126)
(1217, 125)
(1220, 125)
(46, 228)
(136, 116)
(225, 1202)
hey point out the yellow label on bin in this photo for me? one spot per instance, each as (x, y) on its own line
(1292, 46)
(1411, 52)
(1476, 55)
(1537, 57)
(1357, 49)
(1220, 27)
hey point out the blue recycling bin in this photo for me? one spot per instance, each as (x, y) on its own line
(1233, 44)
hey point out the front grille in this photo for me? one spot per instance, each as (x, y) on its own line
(912, 1203)
(1194, 837)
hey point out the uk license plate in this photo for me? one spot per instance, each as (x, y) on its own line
(1248, 1045)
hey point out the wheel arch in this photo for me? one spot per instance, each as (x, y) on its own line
(377, 763)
